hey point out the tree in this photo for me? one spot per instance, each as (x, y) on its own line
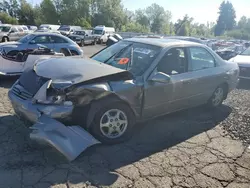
(48, 12)
(141, 18)
(183, 26)
(157, 17)
(226, 20)
(7, 19)
(26, 13)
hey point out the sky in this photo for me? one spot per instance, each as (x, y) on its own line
(202, 11)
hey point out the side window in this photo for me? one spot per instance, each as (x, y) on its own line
(200, 59)
(174, 62)
(41, 39)
(56, 39)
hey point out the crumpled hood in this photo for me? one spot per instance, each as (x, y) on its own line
(73, 70)
(242, 60)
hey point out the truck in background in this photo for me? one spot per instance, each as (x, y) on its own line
(102, 33)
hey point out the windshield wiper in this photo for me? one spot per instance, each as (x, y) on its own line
(117, 53)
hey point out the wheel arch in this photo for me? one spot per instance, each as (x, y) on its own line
(225, 85)
(95, 106)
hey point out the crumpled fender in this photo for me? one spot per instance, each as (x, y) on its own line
(70, 141)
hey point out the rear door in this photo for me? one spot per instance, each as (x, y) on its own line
(205, 73)
(43, 40)
(58, 43)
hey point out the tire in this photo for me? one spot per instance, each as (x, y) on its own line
(112, 123)
(82, 43)
(218, 97)
(5, 39)
(73, 52)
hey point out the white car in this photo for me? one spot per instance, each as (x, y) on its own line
(243, 61)
(15, 65)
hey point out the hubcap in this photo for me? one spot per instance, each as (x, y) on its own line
(113, 123)
(218, 96)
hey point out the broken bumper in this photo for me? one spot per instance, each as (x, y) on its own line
(71, 141)
(31, 112)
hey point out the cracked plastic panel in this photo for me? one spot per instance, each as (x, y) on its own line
(71, 141)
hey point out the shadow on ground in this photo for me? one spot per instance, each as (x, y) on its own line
(244, 84)
(98, 163)
(7, 82)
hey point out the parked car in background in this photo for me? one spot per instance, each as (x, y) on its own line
(82, 37)
(131, 81)
(68, 29)
(102, 33)
(243, 60)
(15, 65)
(25, 29)
(230, 52)
(48, 27)
(191, 39)
(32, 27)
(11, 32)
(52, 41)
(45, 30)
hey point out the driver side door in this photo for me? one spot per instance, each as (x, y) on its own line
(42, 40)
(162, 97)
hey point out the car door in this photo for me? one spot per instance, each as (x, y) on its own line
(43, 40)
(13, 36)
(58, 43)
(165, 97)
(203, 69)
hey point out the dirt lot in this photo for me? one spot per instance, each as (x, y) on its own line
(194, 148)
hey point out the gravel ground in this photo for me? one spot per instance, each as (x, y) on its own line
(192, 148)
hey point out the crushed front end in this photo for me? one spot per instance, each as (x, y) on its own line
(34, 100)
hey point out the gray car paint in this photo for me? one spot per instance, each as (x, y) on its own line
(147, 98)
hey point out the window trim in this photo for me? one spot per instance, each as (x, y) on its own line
(42, 36)
(190, 58)
(51, 36)
(187, 61)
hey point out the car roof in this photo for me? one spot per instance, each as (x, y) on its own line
(163, 42)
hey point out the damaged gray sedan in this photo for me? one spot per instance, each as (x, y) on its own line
(106, 95)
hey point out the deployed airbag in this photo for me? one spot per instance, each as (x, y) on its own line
(71, 141)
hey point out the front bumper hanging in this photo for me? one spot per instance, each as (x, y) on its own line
(71, 141)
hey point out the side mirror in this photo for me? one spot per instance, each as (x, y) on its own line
(161, 78)
(32, 42)
(12, 31)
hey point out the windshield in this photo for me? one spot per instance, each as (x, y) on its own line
(79, 33)
(64, 29)
(5, 28)
(26, 38)
(98, 32)
(246, 52)
(131, 56)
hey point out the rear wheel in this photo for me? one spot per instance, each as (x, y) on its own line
(5, 39)
(113, 123)
(217, 97)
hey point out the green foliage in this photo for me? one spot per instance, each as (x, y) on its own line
(5, 18)
(111, 13)
(226, 20)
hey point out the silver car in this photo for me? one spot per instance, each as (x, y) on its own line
(52, 41)
(131, 81)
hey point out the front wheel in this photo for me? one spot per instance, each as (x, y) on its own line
(113, 123)
(217, 97)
